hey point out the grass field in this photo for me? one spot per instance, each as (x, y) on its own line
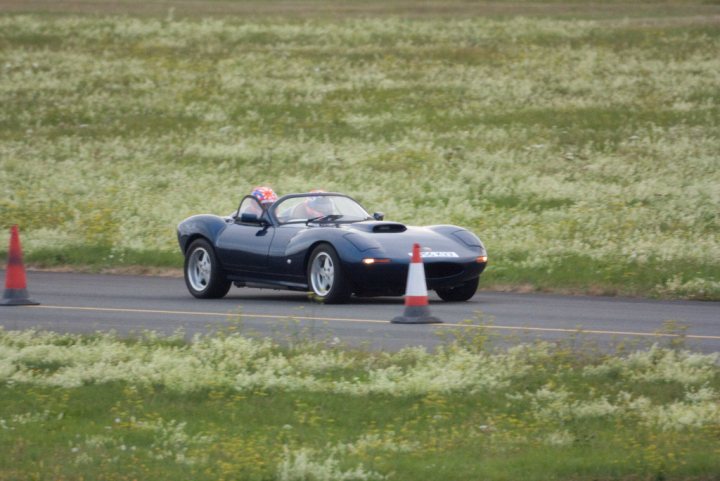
(228, 407)
(579, 140)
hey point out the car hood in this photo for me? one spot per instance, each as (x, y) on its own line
(395, 240)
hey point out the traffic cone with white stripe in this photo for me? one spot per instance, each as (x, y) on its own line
(417, 310)
(15, 282)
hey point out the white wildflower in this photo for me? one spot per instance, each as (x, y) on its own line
(304, 465)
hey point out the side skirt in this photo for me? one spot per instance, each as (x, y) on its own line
(268, 284)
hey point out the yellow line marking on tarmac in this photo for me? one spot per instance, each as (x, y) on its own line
(375, 321)
(212, 314)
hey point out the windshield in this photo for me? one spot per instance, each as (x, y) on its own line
(319, 207)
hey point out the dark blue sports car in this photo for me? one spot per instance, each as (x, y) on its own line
(327, 244)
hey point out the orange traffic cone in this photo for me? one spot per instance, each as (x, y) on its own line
(15, 282)
(417, 310)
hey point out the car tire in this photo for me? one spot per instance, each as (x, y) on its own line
(460, 293)
(203, 276)
(325, 276)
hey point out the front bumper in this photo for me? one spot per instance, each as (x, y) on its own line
(391, 278)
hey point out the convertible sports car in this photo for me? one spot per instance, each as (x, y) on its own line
(325, 243)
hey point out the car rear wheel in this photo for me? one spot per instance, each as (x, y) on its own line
(460, 293)
(203, 276)
(325, 276)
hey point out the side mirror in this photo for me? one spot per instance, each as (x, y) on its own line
(378, 216)
(248, 218)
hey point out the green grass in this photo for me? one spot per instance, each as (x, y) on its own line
(99, 257)
(572, 137)
(552, 413)
(604, 277)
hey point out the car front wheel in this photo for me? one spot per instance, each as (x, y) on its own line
(460, 293)
(203, 276)
(325, 276)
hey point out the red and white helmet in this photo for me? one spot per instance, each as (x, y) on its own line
(265, 195)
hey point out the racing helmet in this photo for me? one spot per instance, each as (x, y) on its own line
(265, 195)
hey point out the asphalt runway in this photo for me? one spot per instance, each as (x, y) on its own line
(72, 302)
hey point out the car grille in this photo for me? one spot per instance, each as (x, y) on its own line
(437, 270)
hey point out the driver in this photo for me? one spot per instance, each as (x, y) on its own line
(265, 195)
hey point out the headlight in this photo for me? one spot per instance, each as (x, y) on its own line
(368, 261)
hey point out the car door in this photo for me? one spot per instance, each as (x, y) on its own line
(244, 246)
(288, 265)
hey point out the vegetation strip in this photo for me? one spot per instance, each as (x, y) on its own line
(378, 321)
(227, 407)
